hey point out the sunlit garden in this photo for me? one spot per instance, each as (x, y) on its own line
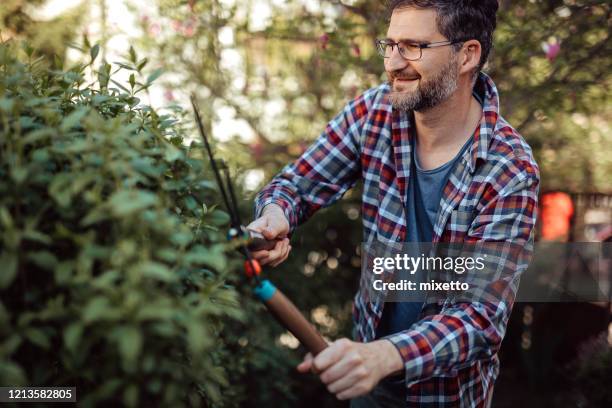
(116, 274)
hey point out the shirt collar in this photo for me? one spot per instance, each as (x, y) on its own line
(487, 91)
(488, 95)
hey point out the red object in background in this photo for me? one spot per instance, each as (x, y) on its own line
(324, 40)
(556, 214)
(252, 268)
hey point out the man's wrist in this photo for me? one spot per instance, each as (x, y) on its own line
(391, 361)
(270, 207)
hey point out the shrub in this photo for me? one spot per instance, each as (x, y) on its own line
(112, 271)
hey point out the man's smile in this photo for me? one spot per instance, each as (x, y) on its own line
(399, 83)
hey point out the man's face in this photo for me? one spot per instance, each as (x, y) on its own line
(423, 84)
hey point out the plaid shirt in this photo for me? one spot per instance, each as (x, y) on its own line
(450, 354)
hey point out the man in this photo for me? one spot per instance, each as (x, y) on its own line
(439, 164)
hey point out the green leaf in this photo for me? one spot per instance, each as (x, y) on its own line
(96, 309)
(218, 218)
(213, 257)
(43, 259)
(154, 75)
(63, 272)
(172, 153)
(132, 80)
(97, 214)
(5, 218)
(19, 174)
(38, 337)
(12, 374)
(124, 66)
(37, 236)
(123, 88)
(127, 202)
(11, 344)
(155, 270)
(191, 203)
(104, 74)
(129, 341)
(8, 262)
(181, 238)
(6, 104)
(133, 101)
(27, 48)
(133, 55)
(142, 64)
(93, 52)
(72, 336)
(198, 337)
(59, 189)
(86, 43)
(73, 119)
(39, 135)
(100, 99)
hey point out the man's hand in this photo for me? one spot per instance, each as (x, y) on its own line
(272, 224)
(351, 369)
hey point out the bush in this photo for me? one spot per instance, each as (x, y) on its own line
(112, 271)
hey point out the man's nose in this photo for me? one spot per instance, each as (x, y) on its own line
(395, 62)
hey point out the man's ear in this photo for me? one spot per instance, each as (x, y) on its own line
(470, 56)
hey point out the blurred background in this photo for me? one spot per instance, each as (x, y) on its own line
(269, 74)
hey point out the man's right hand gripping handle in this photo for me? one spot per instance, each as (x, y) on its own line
(273, 225)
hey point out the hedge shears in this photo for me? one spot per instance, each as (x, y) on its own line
(275, 301)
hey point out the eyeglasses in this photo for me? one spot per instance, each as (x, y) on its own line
(408, 50)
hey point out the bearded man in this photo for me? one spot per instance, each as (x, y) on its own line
(439, 164)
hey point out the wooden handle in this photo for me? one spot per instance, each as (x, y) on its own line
(257, 242)
(290, 317)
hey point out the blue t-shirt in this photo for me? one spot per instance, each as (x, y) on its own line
(424, 194)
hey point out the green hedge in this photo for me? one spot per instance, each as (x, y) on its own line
(112, 268)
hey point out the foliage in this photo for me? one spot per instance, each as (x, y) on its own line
(285, 69)
(113, 276)
(19, 20)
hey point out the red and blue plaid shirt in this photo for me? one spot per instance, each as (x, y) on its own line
(450, 354)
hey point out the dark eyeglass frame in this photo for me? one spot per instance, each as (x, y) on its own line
(381, 45)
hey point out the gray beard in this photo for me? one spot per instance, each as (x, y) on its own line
(428, 94)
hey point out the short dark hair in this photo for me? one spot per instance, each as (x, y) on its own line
(458, 19)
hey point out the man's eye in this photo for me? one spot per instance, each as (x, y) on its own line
(409, 46)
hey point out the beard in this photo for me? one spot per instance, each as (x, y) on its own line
(429, 93)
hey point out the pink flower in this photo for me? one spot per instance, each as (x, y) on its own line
(154, 29)
(324, 40)
(257, 150)
(188, 30)
(169, 95)
(551, 48)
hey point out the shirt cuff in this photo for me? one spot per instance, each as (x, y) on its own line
(416, 353)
